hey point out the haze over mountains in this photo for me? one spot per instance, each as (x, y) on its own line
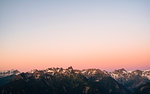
(72, 81)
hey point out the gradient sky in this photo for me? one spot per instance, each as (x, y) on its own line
(104, 34)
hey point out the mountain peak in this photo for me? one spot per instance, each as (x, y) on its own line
(122, 70)
(5, 73)
(70, 68)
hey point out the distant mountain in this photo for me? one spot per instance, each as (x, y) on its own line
(72, 81)
(8, 73)
(7, 76)
(64, 81)
(131, 79)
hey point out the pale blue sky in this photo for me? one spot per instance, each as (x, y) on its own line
(34, 15)
(71, 25)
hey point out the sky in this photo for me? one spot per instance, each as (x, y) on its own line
(103, 34)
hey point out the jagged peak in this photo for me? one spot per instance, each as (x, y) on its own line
(122, 70)
(70, 67)
(137, 72)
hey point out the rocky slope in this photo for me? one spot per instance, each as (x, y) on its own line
(131, 79)
(144, 89)
(64, 81)
(72, 81)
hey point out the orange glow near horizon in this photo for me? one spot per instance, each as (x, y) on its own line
(105, 59)
(92, 34)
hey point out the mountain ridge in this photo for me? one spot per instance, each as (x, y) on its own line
(92, 80)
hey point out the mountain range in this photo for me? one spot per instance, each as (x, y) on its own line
(72, 81)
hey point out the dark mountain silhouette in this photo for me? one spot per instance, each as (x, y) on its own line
(72, 81)
(6, 79)
(144, 89)
(64, 81)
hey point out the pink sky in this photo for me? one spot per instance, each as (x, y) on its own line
(100, 34)
(82, 57)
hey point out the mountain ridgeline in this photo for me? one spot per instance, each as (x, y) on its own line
(72, 81)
